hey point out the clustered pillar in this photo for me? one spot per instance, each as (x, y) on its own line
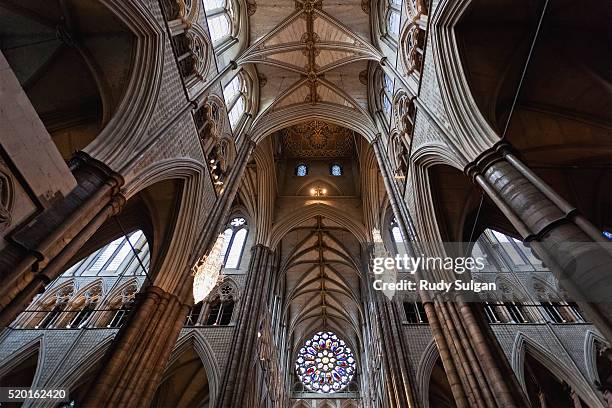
(37, 253)
(243, 355)
(477, 370)
(568, 244)
(133, 367)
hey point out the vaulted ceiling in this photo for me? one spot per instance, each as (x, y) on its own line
(311, 52)
(320, 265)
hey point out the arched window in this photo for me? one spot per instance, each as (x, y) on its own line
(116, 258)
(83, 307)
(52, 309)
(335, 170)
(219, 16)
(194, 314)
(301, 170)
(386, 96)
(235, 238)
(398, 237)
(235, 99)
(120, 307)
(393, 17)
(221, 307)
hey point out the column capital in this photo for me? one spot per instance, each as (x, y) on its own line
(494, 154)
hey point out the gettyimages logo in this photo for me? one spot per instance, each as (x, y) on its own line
(399, 273)
(408, 264)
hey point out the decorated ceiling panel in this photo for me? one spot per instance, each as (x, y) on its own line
(317, 139)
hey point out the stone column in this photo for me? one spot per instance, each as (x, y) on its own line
(37, 252)
(243, 356)
(134, 364)
(398, 381)
(476, 367)
(569, 244)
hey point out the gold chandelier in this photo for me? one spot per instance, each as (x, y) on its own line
(207, 271)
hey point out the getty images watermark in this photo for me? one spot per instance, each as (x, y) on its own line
(386, 268)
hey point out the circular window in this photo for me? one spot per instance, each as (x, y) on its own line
(325, 364)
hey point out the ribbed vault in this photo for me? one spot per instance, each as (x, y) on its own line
(321, 269)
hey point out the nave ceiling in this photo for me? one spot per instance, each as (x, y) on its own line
(311, 54)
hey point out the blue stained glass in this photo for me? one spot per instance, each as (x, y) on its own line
(324, 364)
(336, 170)
(301, 170)
(607, 234)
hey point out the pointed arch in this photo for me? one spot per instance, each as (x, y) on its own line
(290, 221)
(23, 365)
(571, 375)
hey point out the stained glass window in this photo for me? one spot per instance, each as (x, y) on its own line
(301, 170)
(336, 170)
(325, 364)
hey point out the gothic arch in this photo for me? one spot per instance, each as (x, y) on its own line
(191, 204)
(429, 360)
(426, 364)
(123, 137)
(209, 360)
(590, 355)
(193, 344)
(338, 115)
(571, 375)
(22, 359)
(83, 370)
(290, 221)
(472, 133)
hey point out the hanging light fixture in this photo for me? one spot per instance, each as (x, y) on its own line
(207, 271)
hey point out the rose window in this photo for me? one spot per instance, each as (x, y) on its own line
(325, 364)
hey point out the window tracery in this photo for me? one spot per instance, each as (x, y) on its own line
(84, 307)
(221, 306)
(235, 98)
(393, 18)
(412, 47)
(235, 240)
(220, 17)
(325, 364)
(189, 43)
(54, 307)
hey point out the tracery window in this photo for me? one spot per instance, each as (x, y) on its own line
(397, 236)
(84, 306)
(386, 96)
(301, 170)
(234, 240)
(335, 170)
(221, 307)
(415, 312)
(189, 43)
(325, 364)
(115, 258)
(194, 314)
(235, 99)
(393, 18)
(219, 16)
